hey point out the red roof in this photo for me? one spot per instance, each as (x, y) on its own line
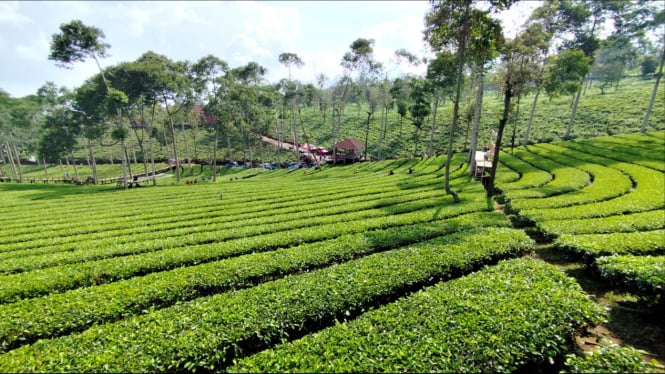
(350, 143)
(209, 119)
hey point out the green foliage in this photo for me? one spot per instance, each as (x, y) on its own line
(643, 221)
(247, 266)
(76, 42)
(564, 179)
(646, 196)
(642, 275)
(57, 314)
(595, 245)
(209, 332)
(610, 359)
(203, 247)
(119, 133)
(530, 176)
(567, 70)
(420, 108)
(648, 66)
(495, 320)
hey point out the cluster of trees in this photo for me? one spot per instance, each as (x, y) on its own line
(557, 52)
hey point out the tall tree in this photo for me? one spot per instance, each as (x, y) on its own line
(441, 76)
(587, 16)
(249, 79)
(88, 105)
(291, 93)
(77, 42)
(19, 125)
(360, 59)
(518, 69)
(611, 60)
(645, 17)
(546, 21)
(208, 74)
(458, 26)
(566, 71)
(170, 85)
(420, 109)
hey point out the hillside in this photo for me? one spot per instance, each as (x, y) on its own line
(362, 267)
(617, 111)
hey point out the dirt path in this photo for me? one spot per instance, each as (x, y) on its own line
(628, 323)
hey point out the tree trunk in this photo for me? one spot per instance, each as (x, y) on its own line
(415, 142)
(279, 130)
(140, 141)
(572, 115)
(431, 132)
(12, 149)
(124, 163)
(175, 142)
(369, 115)
(383, 123)
(645, 122)
(453, 126)
(10, 156)
(76, 171)
(294, 129)
(214, 154)
(497, 146)
(46, 168)
(533, 109)
(517, 117)
(184, 138)
(476, 122)
(309, 144)
(152, 143)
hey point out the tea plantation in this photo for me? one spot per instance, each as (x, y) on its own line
(355, 268)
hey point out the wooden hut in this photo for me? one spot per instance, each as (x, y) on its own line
(349, 150)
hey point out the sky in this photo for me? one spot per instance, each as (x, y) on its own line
(238, 32)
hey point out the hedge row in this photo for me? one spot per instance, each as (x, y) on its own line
(208, 333)
(27, 320)
(61, 278)
(648, 195)
(500, 319)
(642, 275)
(650, 159)
(644, 221)
(611, 359)
(647, 139)
(591, 246)
(607, 184)
(565, 178)
(530, 177)
(111, 244)
(167, 198)
(225, 209)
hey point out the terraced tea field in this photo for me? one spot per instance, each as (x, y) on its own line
(349, 268)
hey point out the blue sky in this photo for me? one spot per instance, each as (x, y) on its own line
(238, 32)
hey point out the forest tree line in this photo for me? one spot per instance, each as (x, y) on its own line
(151, 101)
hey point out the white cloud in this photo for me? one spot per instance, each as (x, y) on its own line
(237, 32)
(249, 49)
(181, 12)
(9, 14)
(271, 24)
(38, 51)
(134, 18)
